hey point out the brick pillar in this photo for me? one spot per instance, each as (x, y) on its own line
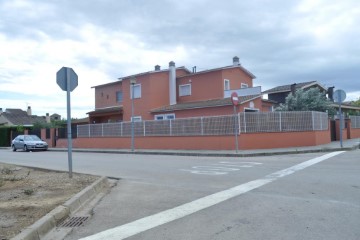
(344, 133)
(43, 134)
(348, 129)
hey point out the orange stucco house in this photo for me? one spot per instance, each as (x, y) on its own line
(177, 92)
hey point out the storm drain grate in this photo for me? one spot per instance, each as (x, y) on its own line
(74, 222)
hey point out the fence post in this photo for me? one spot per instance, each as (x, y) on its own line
(202, 127)
(89, 130)
(244, 122)
(170, 125)
(321, 122)
(121, 129)
(144, 129)
(280, 120)
(102, 129)
(239, 123)
(313, 120)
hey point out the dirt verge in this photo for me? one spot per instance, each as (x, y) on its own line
(27, 194)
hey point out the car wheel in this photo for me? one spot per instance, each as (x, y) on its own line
(26, 148)
(13, 148)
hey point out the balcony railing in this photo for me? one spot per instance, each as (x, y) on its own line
(243, 92)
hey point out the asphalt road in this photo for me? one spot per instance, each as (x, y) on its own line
(304, 196)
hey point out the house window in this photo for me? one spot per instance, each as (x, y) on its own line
(119, 96)
(136, 118)
(165, 116)
(170, 116)
(251, 110)
(244, 85)
(137, 91)
(251, 104)
(185, 90)
(226, 84)
(159, 117)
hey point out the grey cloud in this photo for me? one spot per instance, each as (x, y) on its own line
(259, 32)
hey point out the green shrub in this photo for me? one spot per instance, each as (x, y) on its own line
(6, 171)
(29, 191)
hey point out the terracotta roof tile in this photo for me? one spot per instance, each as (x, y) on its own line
(106, 110)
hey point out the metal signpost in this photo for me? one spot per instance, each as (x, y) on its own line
(67, 80)
(339, 97)
(235, 102)
(132, 82)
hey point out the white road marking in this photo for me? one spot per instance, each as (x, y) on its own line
(216, 168)
(220, 168)
(236, 164)
(204, 172)
(146, 223)
(241, 163)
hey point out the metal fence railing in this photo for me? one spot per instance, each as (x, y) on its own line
(209, 126)
(355, 121)
(62, 132)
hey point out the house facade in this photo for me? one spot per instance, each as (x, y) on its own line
(177, 92)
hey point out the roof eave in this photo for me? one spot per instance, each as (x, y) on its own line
(198, 107)
(219, 69)
(190, 108)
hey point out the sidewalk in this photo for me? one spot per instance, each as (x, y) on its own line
(350, 144)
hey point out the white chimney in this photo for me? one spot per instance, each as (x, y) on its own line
(29, 111)
(236, 61)
(172, 83)
(47, 118)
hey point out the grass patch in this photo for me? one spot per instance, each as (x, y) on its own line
(29, 191)
(7, 171)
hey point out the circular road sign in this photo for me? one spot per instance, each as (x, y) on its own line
(339, 96)
(234, 98)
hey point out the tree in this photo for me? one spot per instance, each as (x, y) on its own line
(356, 104)
(58, 123)
(308, 100)
(39, 125)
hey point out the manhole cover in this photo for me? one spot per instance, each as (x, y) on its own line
(74, 221)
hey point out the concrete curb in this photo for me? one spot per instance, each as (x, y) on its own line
(212, 154)
(206, 153)
(48, 222)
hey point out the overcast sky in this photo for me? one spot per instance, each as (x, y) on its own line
(279, 41)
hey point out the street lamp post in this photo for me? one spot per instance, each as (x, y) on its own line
(132, 82)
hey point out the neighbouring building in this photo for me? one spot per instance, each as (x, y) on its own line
(278, 94)
(18, 117)
(55, 117)
(177, 92)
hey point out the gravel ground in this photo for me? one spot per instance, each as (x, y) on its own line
(27, 194)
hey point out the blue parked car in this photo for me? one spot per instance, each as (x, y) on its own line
(28, 142)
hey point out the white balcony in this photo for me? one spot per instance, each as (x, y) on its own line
(243, 92)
